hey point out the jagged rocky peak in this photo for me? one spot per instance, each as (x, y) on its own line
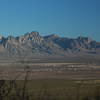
(34, 33)
(33, 42)
(32, 36)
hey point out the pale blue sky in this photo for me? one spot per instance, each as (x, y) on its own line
(70, 18)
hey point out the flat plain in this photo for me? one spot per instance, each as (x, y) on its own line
(50, 70)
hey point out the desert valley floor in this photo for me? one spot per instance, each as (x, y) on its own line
(50, 70)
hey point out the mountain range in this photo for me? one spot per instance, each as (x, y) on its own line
(33, 45)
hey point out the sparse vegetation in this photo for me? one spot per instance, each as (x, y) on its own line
(58, 88)
(50, 89)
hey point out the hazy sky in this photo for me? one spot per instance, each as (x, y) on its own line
(70, 18)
